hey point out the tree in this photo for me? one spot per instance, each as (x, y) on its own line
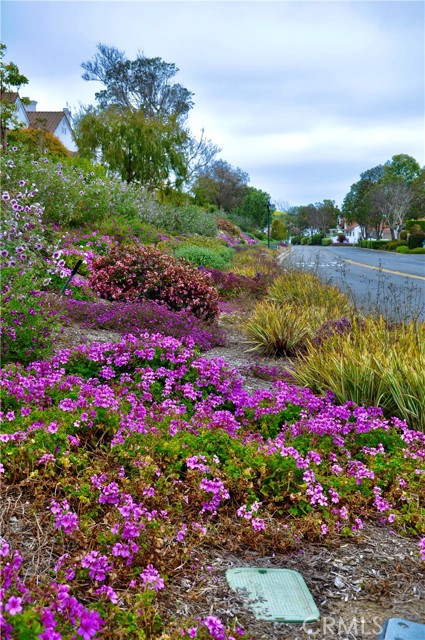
(221, 185)
(253, 208)
(392, 199)
(139, 149)
(417, 206)
(402, 167)
(200, 155)
(358, 206)
(278, 229)
(325, 215)
(11, 80)
(140, 84)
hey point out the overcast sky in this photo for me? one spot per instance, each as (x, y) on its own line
(303, 96)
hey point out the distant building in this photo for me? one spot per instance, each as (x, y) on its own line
(20, 113)
(57, 122)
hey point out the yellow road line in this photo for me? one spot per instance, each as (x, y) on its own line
(396, 273)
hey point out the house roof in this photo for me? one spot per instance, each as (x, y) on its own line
(49, 120)
(10, 96)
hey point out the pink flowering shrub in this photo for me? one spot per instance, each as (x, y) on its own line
(138, 272)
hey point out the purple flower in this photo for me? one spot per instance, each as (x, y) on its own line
(13, 605)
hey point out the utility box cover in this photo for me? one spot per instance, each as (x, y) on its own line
(276, 595)
(398, 629)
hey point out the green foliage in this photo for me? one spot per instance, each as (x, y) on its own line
(297, 304)
(365, 366)
(402, 167)
(296, 239)
(416, 240)
(392, 245)
(139, 148)
(278, 229)
(373, 244)
(252, 212)
(28, 326)
(11, 79)
(403, 249)
(221, 185)
(304, 240)
(415, 223)
(326, 242)
(420, 250)
(315, 239)
(204, 256)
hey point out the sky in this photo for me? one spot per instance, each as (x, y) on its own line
(303, 96)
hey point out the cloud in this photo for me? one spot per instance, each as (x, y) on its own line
(301, 95)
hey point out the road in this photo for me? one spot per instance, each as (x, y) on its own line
(378, 281)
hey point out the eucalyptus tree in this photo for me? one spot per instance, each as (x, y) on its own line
(142, 84)
(139, 126)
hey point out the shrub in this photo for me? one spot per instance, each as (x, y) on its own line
(278, 230)
(341, 237)
(316, 238)
(38, 142)
(231, 285)
(415, 225)
(416, 240)
(418, 250)
(304, 240)
(205, 252)
(202, 256)
(403, 249)
(137, 272)
(392, 245)
(296, 239)
(364, 365)
(326, 242)
(373, 244)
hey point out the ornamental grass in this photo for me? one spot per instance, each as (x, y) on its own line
(284, 330)
(307, 289)
(375, 363)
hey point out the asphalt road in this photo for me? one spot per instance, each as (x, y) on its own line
(378, 281)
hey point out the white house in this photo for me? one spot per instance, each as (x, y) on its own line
(352, 232)
(20, 113)
(57, 122)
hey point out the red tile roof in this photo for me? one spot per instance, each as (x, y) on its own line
(49, 120)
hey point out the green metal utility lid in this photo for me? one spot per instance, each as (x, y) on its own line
(276, 595)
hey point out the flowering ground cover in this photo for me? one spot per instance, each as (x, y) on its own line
(139, 452)
(135, 459)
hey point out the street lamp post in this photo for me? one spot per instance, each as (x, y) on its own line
(269, 209)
